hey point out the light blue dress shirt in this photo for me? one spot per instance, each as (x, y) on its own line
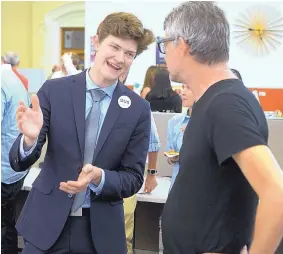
(175, 139)
(104, 105)
(12, 92)
(154, 141)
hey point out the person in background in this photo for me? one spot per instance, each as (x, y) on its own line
(178, 91)
(12, 91)
(150, 181)
(237, 73)
(55, 68)
(176, 129)
(123, 77)
(148, 81)
(149, 185)
(162, 97)
(69, 66)
(154, 147)
(226, 166)
(81, 67)
(13, 59)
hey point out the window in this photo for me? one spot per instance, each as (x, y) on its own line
(73, 40)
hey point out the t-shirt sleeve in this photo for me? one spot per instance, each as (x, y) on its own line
(233, 126)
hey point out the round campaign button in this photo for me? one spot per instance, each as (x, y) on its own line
(124, 101)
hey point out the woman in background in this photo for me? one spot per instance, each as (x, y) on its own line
(237, 73)
(176, 128)
(148, 81)
(162, 97)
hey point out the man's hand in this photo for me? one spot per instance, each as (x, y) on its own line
(150, 183)
(30, 120)
(173, 160)
(88, 174)
(67, 59)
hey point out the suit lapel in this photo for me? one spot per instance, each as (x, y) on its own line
(78, 91)
(111, 117)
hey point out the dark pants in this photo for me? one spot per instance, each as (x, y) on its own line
(9, 236)
(75, 238)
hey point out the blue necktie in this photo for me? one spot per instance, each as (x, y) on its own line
(91, 132)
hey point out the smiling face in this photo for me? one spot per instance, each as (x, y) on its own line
(114, 57)
(120, 38)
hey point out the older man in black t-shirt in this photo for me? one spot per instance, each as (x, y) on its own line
(225, 163)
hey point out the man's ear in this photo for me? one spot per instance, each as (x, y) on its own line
(95, 42)
(183, 46)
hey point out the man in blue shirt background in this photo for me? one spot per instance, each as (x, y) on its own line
(150, 181)
(12, 91)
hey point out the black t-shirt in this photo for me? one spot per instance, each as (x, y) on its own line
(211, 207)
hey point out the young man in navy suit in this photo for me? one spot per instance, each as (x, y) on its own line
(98, 138)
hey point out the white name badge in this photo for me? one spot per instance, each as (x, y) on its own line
(124, 101)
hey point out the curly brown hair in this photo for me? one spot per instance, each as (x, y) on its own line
(127, 26)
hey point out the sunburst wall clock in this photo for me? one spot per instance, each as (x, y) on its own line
(259, 30)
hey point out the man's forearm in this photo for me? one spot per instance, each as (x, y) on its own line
(28, 143)
(152, 160)
(268, 226)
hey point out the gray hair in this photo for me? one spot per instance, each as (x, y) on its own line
(205, 28)
(11, 58)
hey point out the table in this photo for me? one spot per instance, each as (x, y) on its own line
(159, 194)
(148, 211)
(147, 233)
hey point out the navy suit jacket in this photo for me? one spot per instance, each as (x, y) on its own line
(121, 151)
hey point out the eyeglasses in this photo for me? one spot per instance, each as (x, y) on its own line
(161, 44)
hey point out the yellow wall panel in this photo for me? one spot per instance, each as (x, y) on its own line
(22, 29)
(16, 20)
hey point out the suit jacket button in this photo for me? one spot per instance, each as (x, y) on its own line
(70, 195)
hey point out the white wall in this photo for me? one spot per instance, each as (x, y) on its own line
(261, 71)
(256, 71)
(67, 15)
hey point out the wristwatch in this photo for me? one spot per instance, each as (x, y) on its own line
(152, 172)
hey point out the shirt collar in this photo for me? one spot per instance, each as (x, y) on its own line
(186, 118)
(6, 66)
(91, 85)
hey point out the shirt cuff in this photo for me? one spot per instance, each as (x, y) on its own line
(98, 189)
(154, 147)
(23, 153)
